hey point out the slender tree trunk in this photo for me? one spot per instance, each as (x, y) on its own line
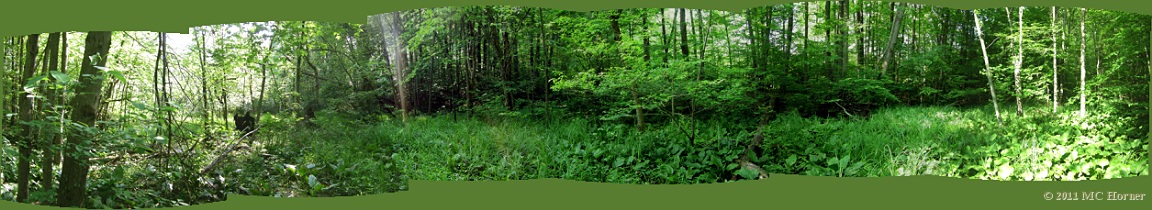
(263, 80)
(987, 67)
(156, 80)
(50, 154)
(683, 34)
(1019, 61)
(754, 60)
(1055, 74)
(805, 51)
(728, 43)
(844, 4)
(647, 38)
(647, 60)
(58, 154)
(24, 142)
(74, 177)
(891, 41)
(664, 36)
(828, 39)
(204, 79)
(1083, 42)
(788, 44)
(860, 32)
(3, 83)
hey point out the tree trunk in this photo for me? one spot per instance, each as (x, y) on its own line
(828, 39)
(844, 4)
(755, 58)
(3, 84)
(647, 38)
(24, 142)
(50, 154)
(860, 32)
(683, 34)
(203, 54)
(74, 177)
(1083, 16)
(664, 36)
(891, 41)
(400, 64)
(805, 51)
(1019, 61)
(647, 59)
(1055, 74)
(788, 44)
(987, 67)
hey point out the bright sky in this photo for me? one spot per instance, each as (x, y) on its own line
(180, 42)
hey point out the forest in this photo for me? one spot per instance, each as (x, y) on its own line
(137, 119)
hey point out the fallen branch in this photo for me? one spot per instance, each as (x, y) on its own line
(228, 152)
(842, 108)
(745, 160)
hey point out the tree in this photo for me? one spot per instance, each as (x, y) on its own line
(1055, 73)
(50, 154)
(26, 139)
(1019, 61)
(891, 40)
(74, 175)
(4, 84)
(683, 33)
(987, 67)
(1083, 75)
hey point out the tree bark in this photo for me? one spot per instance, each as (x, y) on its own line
(1019, 61)
(24, 142)
(74, 177)
(683, 34)
(987, 67)
(664, 36)
(892, 41)
(1083, 42)
(50, 154)
(1055, 74)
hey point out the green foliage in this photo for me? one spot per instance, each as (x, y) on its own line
(340, 158)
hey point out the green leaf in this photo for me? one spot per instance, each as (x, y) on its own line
(732, 166)
(844, 161)
(641, 165)
(61, 76)
(139, 105)
(32, 81)
(116, 74)
(312, 180)
(748, 173)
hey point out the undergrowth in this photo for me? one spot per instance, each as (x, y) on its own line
(892, 142)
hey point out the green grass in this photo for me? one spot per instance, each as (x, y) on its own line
(905, 141)
(338, 155)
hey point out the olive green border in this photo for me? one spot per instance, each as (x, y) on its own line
(779, 192)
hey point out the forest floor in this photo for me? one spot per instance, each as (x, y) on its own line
(339, 156)
(965, 143)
